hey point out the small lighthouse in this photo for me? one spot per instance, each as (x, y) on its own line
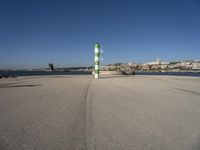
(97, 60)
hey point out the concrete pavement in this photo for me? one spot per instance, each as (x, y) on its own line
(43, 113)
(145, 112)
(116, 112)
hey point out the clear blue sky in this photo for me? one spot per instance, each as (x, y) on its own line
(36, 32)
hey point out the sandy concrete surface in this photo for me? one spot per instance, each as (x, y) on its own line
(111, 113)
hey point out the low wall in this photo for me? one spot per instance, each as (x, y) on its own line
(110, 73)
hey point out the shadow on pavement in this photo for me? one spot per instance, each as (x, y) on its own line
(26, 85)
(115, 76)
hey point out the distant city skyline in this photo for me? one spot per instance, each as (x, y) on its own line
(150, 62)
(38, 32)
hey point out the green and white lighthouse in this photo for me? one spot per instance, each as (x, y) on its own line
(97, 52)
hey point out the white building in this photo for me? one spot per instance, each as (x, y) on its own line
(157, 62)
(196, 66)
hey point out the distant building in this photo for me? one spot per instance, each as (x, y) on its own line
(158, 62)
(131, 64)
(51, 67)
(196, 66)
(157, 65)
(165, 63)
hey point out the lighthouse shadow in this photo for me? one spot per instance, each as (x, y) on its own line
(115, 76)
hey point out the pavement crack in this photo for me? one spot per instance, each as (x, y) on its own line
(86, 92)
(87, 89)
(188, 91)
(89, 122)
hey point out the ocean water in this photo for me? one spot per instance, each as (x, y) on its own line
(40, 73)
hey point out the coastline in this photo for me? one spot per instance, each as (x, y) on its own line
(45, 73)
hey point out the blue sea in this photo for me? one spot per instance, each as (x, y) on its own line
(39, 73)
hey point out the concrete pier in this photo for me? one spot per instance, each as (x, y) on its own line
(114, 112)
